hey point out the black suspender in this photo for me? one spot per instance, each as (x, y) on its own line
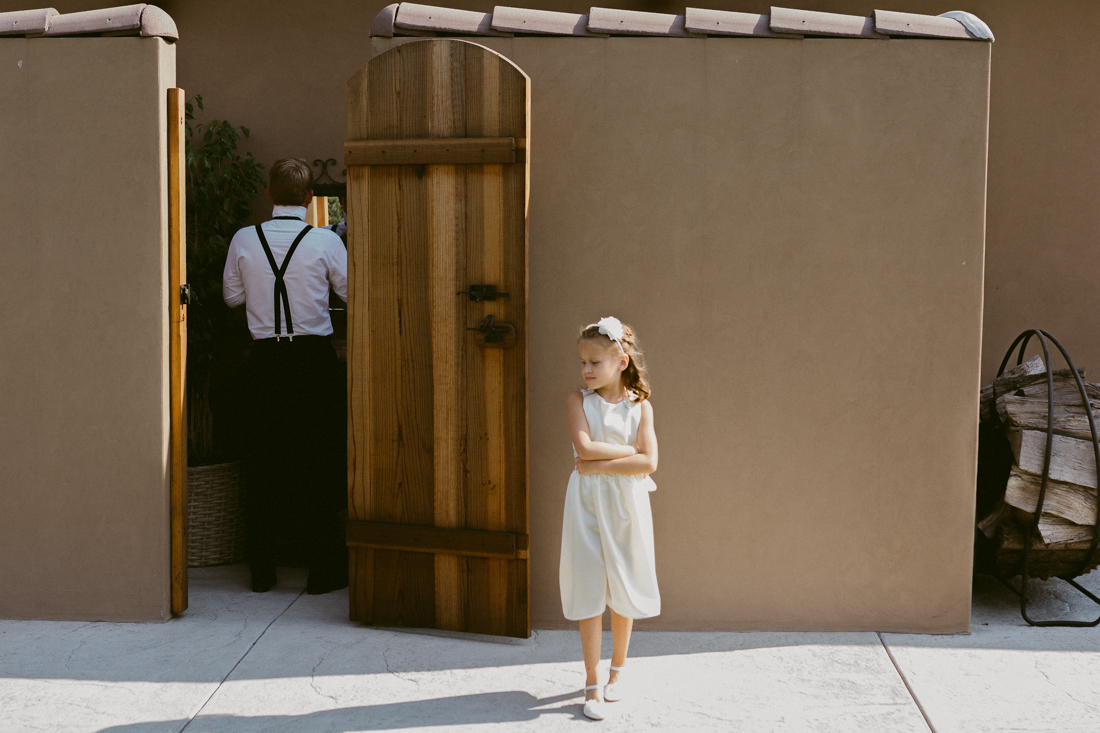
(280, 283)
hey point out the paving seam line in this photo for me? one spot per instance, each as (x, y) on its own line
(904, 681)
(246, 653)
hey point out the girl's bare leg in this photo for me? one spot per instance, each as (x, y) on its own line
(620, 635)
(591, 641)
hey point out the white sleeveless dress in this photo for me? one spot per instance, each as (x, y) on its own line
(607, 533)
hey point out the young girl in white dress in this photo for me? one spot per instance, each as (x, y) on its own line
(607, 533)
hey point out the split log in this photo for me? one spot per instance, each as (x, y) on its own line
(1027, 375)
(1053, 532)
(1070, 420)
(992, 522)
(1044, 562)
(1014, 540)
(1065, 390)
(1003, 384)
(1072, 461)
(1034, 365)
(1069, 501)
(1059, 533)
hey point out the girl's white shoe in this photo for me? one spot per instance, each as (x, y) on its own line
(612, 691)
(593, 708)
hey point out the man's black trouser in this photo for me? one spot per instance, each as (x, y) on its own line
(296, 479)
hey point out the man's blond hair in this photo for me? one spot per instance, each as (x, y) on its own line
(290, 180)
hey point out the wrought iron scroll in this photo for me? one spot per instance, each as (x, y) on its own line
(324, 185)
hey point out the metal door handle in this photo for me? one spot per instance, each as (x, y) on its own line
(494, 334)
(482, 293)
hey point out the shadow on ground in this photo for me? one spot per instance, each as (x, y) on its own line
(485, 708)
(226, 620)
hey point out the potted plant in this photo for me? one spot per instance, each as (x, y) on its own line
(222, 186)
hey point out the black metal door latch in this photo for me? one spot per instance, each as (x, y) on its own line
(494, 334)
(482, 293)
(185, 294)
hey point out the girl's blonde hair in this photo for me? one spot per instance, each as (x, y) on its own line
(635, 377)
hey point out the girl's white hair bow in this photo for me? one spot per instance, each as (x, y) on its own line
(612, 327)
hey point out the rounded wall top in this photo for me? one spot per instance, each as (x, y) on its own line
(413, 19)
(137, 20)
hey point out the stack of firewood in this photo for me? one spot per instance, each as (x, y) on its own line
(1012, 444)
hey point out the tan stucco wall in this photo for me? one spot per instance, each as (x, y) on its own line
(83, 293)
(796, 230)
(280, 67)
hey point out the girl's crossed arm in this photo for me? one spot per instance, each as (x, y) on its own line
(644, 461)
(588, 449)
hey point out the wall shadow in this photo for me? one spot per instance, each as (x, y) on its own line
(204, 646)
(481, 709)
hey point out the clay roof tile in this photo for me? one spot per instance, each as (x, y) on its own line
(809, 22)
(723, 23)
(634, 23)
(23, 22)
(446, 20)
(911, 24)
(522, 20)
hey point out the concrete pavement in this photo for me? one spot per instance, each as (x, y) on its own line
(285, 661)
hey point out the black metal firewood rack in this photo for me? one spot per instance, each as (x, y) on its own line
(1022, 570)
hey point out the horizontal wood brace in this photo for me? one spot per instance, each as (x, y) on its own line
(437, 540)
(434, 151)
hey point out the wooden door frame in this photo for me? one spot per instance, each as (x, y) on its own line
(177, 346)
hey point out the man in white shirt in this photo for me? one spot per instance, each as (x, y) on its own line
(282, 272)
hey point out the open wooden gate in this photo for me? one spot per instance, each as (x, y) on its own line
(437, 339)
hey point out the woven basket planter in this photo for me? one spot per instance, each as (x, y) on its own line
(215, 515)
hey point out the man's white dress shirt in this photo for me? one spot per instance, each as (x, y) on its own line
(319, 262)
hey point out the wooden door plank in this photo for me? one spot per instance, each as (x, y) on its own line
(515, 120)
(436, 540)
(382, 342)
(485, 210)
(492, 243)
(401, 376)
(401, 583)
(448, 403)
(482, 92)
(447, 91)
(449, 151)
(361, 559)
(359, 329)
(177, 334)
(514, 269)
(357, 98)
(361, 584)
(400, 346)
(403, 589)
(412, 370)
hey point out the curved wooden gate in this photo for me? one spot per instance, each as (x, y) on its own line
(437, 339)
